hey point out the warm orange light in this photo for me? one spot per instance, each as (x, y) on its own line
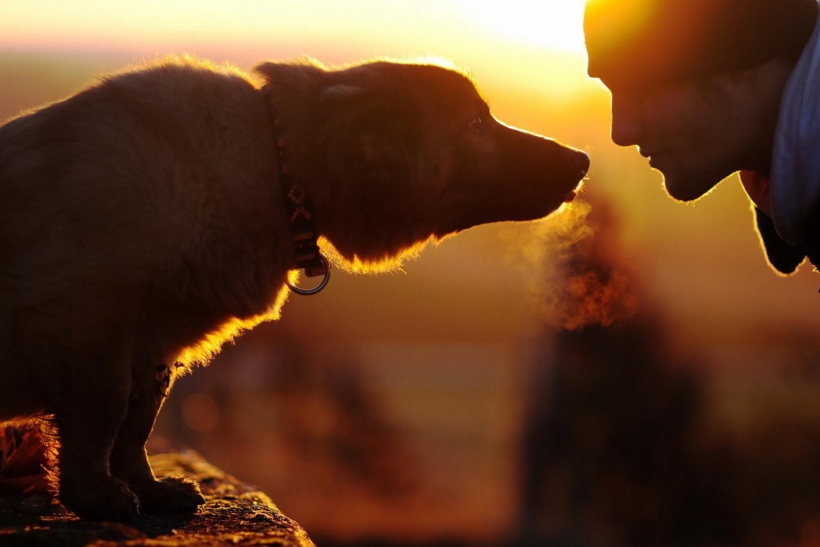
(551, 24)
(423, 26)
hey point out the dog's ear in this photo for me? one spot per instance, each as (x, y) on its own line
(371, 134)
(303, 75)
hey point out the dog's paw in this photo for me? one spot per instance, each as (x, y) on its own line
(105, 499)
(168, 496)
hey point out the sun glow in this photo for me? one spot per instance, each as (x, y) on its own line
(550, 24)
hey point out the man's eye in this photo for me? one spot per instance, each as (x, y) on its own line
(475, 124)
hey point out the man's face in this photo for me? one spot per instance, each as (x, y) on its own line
(691, 131)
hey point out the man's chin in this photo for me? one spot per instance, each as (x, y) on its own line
(686, 188)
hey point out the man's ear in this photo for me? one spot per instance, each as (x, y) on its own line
(370, 135)
(782, 256)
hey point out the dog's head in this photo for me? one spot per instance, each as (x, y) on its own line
(399, 153)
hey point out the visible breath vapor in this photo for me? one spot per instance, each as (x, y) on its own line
(573, 273)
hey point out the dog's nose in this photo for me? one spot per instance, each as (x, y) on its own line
(581, 160)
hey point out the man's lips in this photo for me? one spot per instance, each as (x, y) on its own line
(650, 154)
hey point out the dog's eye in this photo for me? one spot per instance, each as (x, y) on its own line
(475, 124)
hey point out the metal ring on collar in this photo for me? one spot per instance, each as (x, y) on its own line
(317, 288)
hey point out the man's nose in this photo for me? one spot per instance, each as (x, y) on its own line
(626, 122)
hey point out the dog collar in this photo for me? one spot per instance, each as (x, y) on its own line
(306, 253)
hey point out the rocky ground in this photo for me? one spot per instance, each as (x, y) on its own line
(234, 514)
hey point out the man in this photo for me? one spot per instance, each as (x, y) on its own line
(706, 88)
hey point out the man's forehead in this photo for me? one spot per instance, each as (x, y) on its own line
(645, 40)
(660, 40)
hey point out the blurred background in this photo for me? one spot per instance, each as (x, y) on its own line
(628, 373)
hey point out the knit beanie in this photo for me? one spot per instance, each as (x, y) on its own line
(635, 41)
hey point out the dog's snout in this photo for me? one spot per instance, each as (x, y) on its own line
(581, 160)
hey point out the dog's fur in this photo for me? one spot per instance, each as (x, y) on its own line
(142, 223)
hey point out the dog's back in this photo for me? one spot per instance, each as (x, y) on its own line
(111, 197)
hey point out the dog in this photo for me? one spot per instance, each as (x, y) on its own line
(156, 214)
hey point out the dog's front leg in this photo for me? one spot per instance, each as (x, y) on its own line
(88, 413)
(129, 459)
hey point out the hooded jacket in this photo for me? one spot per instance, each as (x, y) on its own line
(793, 231)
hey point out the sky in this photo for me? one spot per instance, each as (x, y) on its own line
(536, 44)
(552, 24)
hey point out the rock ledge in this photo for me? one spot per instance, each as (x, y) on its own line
(234, 514)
